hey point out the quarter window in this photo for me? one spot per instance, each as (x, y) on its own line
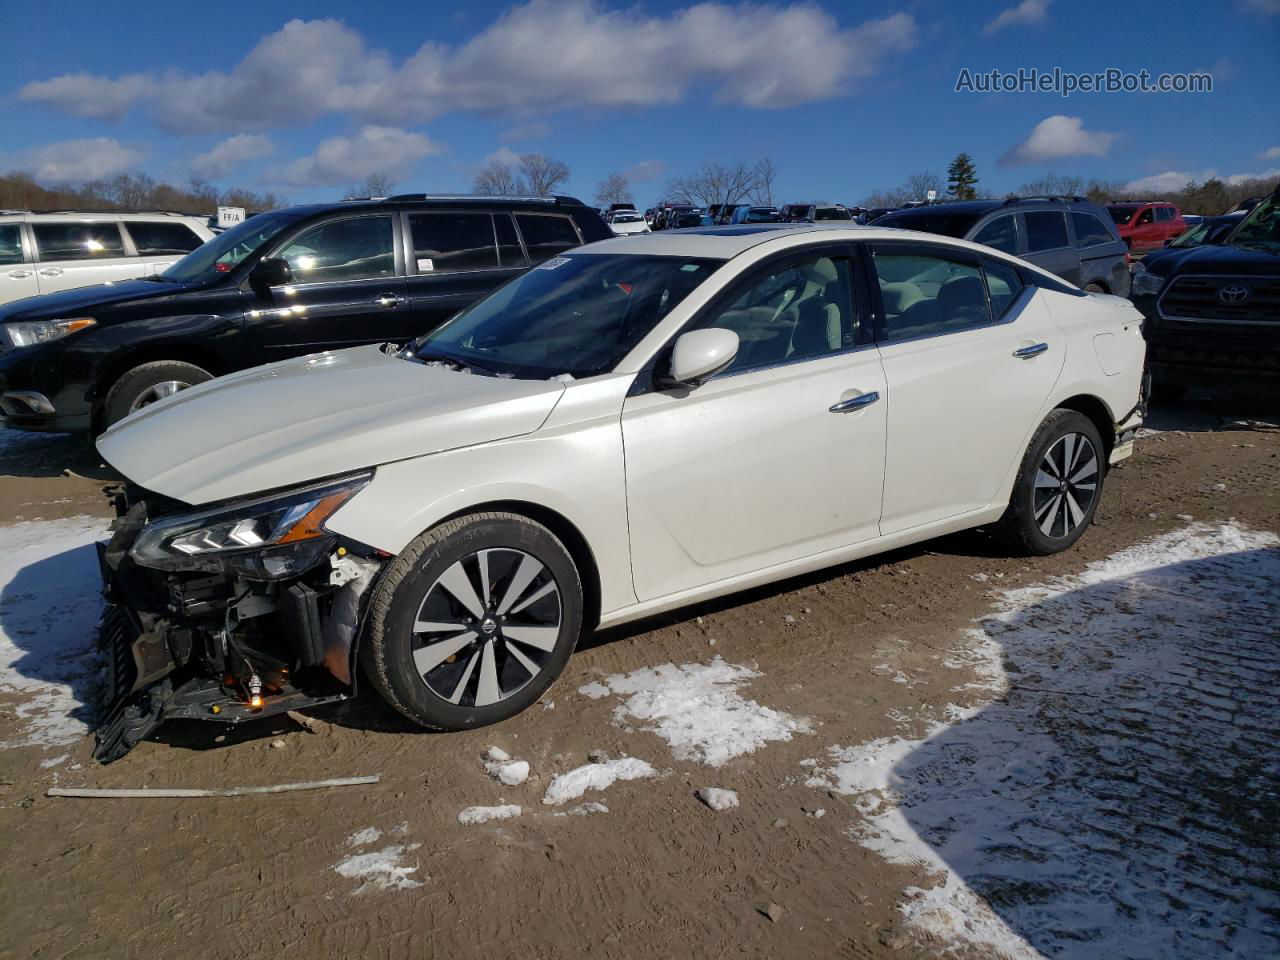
(10, 243)
(78, 241)
(453, 242)
(359, 248)
(1003, 286)
(162, 239)
(1000, 234)
(1090, 231)
(926, 294)
(1164, 213)
(798, 312)
(1046, 230)
(546, 236)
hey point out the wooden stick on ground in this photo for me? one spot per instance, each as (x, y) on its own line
(223, 792)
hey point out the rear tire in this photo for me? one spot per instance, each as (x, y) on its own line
(147, 383)
(1058, 486)
(473, 621)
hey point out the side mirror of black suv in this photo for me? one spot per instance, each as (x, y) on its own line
(270, 272)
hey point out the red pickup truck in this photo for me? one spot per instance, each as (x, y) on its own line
(1146, 226)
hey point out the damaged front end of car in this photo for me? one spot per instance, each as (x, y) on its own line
(228, 613)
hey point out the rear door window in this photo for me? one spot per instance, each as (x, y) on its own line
(1090, 231)
(10, 243)
(1164, 213)
(358, 248)
(928, 292)
(158, 239)
(1000, 234)
(78, 241)
(453, 242)
(1046, 230)
(545, 236)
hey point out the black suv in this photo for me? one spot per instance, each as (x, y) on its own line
(1213, 311)
(279, 285)
(1068, 236)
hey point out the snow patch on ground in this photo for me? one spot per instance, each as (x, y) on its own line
(378, 869)
(1106, 796)
(595, 776)
(583, 809)
(473, 816)
(511, 772)
(698, 710)
(49, 608)
(717, 798)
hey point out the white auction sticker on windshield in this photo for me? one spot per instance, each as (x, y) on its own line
(424, 265)
(553, 263)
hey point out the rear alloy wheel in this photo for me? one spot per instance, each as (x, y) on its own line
(149, 383)
(1058, 486)
(473, 621)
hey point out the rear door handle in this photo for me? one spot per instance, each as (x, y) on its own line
(1026, 353)
(51, 272)
(389, 300)
(855, 403)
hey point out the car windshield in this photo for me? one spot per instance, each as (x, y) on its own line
(1121, 214)
(1193, 237)
(219, 255)
(945, 224)
(576, 315)
(1260, 229)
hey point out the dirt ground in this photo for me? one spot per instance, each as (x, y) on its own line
(856, 655)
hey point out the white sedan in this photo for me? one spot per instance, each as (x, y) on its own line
(626, 222)
(637, 425)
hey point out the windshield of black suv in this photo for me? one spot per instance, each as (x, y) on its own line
(576, 315)
(1260, 229)
(931, 221)
(1121, 214)
(211, 260)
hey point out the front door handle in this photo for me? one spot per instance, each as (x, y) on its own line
(855, 403)
(389, 300)
(51, 272)
(19, 274)
(1026, 353)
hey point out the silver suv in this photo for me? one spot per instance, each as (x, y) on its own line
(47, 252)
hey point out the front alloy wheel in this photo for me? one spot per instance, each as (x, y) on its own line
(473, 621)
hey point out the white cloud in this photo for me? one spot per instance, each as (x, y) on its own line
(524, 132)
(1059, 136)
(229, 154)
(339, 160)
(645, 171)
(503, 154)
(1024, 14)
(540, 57)
(1174, 180)
(1272, 153)
(76, 161)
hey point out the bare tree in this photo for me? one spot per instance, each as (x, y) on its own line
(543, 174)
(919, 184)
(726, 184)
(378, 185)
(496, 179)
(615, 188)
(1052, 185)
(762, 191)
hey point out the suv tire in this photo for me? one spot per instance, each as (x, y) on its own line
(1058, 486)
(452, 644)
(147, 383)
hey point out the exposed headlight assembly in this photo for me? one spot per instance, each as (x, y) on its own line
(1144, 282)
(29, 333)
(265, 539)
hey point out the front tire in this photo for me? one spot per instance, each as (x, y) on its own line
(1058, 486)
(473, 621)
(147, 383)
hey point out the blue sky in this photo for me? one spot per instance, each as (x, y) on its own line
(844, 98)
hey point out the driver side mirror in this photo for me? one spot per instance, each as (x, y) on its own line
(699, 355)
(271, 272)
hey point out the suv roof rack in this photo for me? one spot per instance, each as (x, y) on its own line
(557, 199)
(1059, 198)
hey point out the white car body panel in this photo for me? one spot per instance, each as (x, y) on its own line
(679, 495)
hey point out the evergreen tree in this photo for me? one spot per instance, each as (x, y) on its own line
(962, 178)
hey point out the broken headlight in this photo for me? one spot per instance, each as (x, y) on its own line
(266, 539)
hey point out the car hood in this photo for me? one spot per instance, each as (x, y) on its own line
(81, 300)
(1219, 259)
(299, 420)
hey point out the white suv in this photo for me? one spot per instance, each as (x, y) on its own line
(47, 252)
